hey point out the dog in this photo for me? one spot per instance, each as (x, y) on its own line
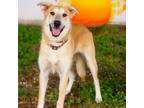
(64, 44)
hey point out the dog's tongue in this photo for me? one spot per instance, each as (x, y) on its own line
(56, 31)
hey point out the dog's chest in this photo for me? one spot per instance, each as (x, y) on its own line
(55, 60)
(57, 56)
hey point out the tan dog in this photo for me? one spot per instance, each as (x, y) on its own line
(62, 45)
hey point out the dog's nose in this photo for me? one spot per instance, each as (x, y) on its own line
(57, 23)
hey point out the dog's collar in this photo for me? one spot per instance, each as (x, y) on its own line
(54, 47)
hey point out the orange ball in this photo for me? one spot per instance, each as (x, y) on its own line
(92, 12)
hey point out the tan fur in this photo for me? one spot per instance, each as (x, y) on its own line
(80, 67)
(79, 40)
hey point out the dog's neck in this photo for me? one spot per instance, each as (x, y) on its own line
(54, 45)
(57, 45)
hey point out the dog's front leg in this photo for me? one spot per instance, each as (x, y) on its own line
(43, 80)
(62, 89)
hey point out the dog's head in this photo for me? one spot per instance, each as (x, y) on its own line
(57, 21)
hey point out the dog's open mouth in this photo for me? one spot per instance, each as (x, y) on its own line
(56, 31)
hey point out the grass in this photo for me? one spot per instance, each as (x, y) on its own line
(110, 42)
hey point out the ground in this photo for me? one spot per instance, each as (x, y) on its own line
(110, 42)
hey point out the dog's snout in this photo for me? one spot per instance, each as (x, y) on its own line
(57, 23)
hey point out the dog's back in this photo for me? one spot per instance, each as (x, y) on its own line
(82, 37)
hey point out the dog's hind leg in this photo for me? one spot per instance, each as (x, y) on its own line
(92, 64)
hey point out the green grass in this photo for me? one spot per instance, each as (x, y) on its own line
(110, 42)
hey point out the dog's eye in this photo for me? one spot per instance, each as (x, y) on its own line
(64, 15)
(52, 13)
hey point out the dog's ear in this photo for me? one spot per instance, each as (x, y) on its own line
(44, 6)
(72, 11)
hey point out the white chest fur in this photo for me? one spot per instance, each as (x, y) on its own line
(54, 60)
(58, 60)
(53, 57)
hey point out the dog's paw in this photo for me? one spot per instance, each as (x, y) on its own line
(59, 105)
(67, 91)
(40, 105)
(98, 99)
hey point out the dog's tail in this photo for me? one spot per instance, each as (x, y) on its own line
(80, 67)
